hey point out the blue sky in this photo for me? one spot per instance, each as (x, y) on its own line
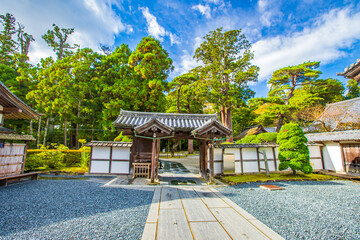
(282, 33)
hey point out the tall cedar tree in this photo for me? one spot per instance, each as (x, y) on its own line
(226, 68)
(293, 153)
(152, 63)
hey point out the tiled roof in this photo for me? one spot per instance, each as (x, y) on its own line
(178, 121)
(352, 71)
(344, 115)
(253, 130)
(109, 144)
(6, 136)
(334, 136)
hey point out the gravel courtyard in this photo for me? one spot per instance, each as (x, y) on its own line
(72, 209)
(305, 210)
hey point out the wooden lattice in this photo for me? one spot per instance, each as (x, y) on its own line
(141, 170)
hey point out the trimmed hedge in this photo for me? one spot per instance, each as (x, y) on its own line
(61, 156)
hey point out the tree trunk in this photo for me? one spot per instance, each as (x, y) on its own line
(46, 129)
(229, 122)
(280, 123)
(173, 148)
(190, 146)
(72, 136)
(178, 100)
(38, 133)
(294, 171)
(31, 127)
(65, 143)
(77, 126)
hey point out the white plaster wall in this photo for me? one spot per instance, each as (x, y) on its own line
(121, 153)
(315, 157)
(234, 151)
(332, 156)
(250, 167)
(218, 167)
(99, 166)
(101, 153)
(120, 167)
(249, 154)
(218, 154)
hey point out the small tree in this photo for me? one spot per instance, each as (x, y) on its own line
(293, 152)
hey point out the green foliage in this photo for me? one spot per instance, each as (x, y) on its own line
(121, 138)
(152, 63)
(268, 137)
(293, 153)
(291, 92)
(57, 158)
(354, 89)
(226, 70)
(57, 39)
(46, 159)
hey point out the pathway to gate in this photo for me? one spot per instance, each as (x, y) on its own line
(200, 212)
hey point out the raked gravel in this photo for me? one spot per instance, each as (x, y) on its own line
(305, 210)
(72, 209)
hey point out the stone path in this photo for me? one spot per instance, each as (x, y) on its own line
(200, 212)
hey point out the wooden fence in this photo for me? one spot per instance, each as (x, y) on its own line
(12, 158)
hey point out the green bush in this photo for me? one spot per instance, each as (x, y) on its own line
(293, 153)
(268, 137)
(121, 138)
(57, 158)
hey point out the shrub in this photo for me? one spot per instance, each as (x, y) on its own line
(121, 138)
(293, 153)
(268, 137)
(57, 158)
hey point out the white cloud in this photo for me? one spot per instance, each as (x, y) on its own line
(155, 29)
(174, 39)
(203, 9)
(187, 62)
(268, 11)
(94, 21)
(323, 41)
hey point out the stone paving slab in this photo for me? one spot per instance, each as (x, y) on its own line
(200, 213)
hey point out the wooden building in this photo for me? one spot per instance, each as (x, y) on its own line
(147, 129)
(352, 71)
(13, 155)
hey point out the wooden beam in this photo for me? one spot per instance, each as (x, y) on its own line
(258, 158)
(153, 160)
(274, 156)
(241, 161)
(322, 158)
(110, 162)
(342, 157)
(8, 110)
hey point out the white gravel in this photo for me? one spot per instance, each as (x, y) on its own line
(72, 209)
(305, 210)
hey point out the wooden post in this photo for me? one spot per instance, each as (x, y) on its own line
(190, 146)
(258, 158)
(342, 157)
(91, 156)
(31, 127)
(206, 160)
(211, 146)
(223, 160)
(322, 158)
(46, 129)
(110, 163)
(38, 133)
(274, 156)
(241, 161)
(153, 159)
(157, 158)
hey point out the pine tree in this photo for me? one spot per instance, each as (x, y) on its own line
(293, 153)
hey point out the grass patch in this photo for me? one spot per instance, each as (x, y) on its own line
(276, 176)
(74, 169)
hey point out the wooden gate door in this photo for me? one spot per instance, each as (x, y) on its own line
(352, 157)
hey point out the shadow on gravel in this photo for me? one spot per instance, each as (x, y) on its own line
(36, 204)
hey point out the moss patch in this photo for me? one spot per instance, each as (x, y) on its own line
(276, 177)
